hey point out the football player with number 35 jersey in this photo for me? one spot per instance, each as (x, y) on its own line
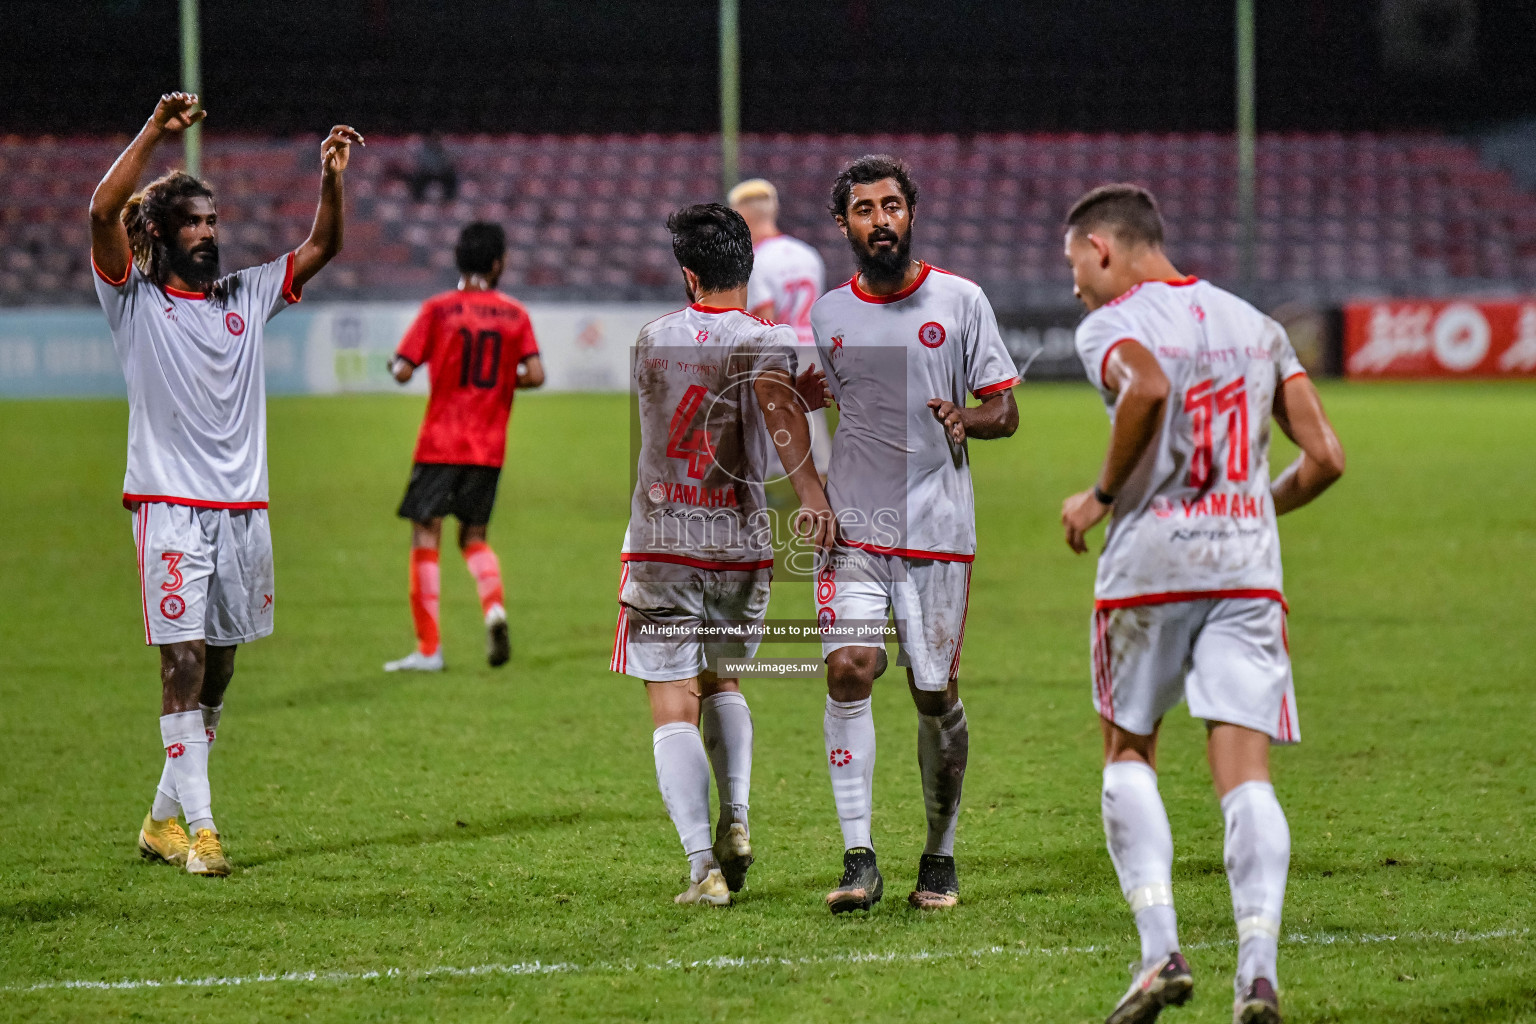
(190, 342)
(1189, 600)
(479, 344)
(903, 343)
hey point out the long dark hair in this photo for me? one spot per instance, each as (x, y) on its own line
(158, 204)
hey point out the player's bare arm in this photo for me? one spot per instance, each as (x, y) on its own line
(784, 416)
(1141, 392)
(996, 416)
(1299, 411)
(109, 239)
(324, 240)
(530, 373)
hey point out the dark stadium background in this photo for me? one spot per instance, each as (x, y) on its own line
(840, 66)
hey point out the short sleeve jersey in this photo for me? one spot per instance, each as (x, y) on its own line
(197, 397)
(1196, 518)
(788, 275)
(472, 343)
(897, 482)
(704, 449)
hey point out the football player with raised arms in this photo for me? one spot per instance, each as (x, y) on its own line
(716, 395)
(903, 344)
(788, 276)
(190, 343)
(1189, 598)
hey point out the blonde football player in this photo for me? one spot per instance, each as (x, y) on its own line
(787, 277)
(1188, 602)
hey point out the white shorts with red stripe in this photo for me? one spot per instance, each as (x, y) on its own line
(1227, 656)
(859, 591)
(662, 606)
(204, 573)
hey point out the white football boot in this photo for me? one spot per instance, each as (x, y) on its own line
(417, 662)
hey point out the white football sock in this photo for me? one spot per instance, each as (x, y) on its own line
(186, 747)
(943, 743)
(211, 717)
(849, 731)
(725, 722)
(1257, 857)
(682, 774)
(166, 805)
(1141, 846)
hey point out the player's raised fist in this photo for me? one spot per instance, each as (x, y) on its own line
(174, 112)
(336, 150)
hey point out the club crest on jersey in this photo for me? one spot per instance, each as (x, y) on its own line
(172, 606)
(1162, 507)
(234, 324)
(701, 337)
(657, 493)
(1198, 311)
(931, 334)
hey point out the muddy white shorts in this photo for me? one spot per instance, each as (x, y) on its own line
(676, 621)
(858, 592)
(1226, 656)
(204, 573)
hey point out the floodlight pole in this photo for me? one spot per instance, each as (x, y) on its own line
(730, 94)
(1246, 213)
(191, 81)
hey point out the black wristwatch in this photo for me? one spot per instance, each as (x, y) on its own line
(1102, 498)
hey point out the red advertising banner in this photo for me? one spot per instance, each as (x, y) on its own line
(1424, 338)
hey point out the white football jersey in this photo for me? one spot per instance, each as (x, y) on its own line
(897, 482)
(704, 448)
(197, 396)
(789, 275)
(1195, 520)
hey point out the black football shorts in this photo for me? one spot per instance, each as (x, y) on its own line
(436, 489)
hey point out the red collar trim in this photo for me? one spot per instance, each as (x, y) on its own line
(177, 293)
(715, 309)
(1172, 282)
(922, 275)
(1179, 282)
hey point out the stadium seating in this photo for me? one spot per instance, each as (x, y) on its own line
(1338, 214)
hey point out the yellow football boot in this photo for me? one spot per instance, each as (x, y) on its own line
(710, 891)
(163, 840)
(206, 856)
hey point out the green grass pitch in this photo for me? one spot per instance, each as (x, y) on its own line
(389, 834)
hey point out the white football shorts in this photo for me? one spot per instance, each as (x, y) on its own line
(1227, 656)
(858, 591)
(657, 636)
(204, 573)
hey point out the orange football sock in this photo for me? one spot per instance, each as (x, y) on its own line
(486, 569)
(426, 586)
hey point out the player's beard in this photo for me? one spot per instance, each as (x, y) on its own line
(884, 266)
(198, 266)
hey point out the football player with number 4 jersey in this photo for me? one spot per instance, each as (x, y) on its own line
(479, 344)
(715, 394)
(1189, 600)
(904, 343)
(190, 342)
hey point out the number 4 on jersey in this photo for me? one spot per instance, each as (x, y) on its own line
(1204, 403)
(692, 445)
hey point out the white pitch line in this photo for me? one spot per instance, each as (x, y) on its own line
(539, 967)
